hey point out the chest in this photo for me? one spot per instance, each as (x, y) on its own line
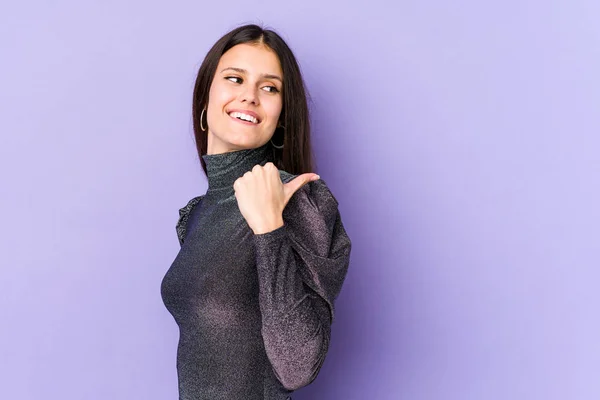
(216, 264)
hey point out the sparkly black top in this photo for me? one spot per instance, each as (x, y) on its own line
(254, 310)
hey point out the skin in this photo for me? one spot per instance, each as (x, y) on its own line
(249, 77)
(248, 90)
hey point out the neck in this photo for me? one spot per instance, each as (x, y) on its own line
(224, 168)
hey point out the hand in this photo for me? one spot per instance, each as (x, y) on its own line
(262, 197)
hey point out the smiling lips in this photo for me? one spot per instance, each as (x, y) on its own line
(247, 117)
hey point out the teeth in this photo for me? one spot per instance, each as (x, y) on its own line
(245, 117)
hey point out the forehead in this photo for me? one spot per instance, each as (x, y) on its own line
(256, 59)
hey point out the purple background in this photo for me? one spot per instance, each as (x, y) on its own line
(461, 139)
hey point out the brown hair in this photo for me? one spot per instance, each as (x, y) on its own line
(296, 157)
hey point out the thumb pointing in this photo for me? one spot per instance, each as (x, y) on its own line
(295, 184)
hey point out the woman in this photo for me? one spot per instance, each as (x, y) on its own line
(264, 252)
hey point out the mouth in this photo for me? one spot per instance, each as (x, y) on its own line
(244, 118)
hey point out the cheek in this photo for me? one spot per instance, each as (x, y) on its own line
(218, 96)
(273, 109)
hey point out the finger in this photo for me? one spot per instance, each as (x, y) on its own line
(295, 184)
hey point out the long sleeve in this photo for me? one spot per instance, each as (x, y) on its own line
(301, 269)
(254, 311)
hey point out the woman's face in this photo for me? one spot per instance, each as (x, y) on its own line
(247, 84)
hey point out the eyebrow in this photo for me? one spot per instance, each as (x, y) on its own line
(243, 71)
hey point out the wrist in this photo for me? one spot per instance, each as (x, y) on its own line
(269, 226)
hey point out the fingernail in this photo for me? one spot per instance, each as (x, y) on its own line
(315, 178)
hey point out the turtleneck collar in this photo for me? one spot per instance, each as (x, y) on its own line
(224, 168)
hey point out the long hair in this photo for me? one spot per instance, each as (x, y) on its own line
(296, 157)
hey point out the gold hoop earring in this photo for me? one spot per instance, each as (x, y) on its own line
(201, 116)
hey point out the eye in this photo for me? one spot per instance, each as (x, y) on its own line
(231, 78)
(235, 79)
(273, 89)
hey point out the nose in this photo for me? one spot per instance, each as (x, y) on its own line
(249, 95)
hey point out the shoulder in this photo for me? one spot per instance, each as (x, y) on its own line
(312, 216)
(316, 193)
(184, 214)
(185, 210)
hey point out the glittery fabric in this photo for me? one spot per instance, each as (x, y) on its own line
(254, 311)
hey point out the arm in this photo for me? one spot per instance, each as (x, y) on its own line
(296, 322)
(301, 266)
